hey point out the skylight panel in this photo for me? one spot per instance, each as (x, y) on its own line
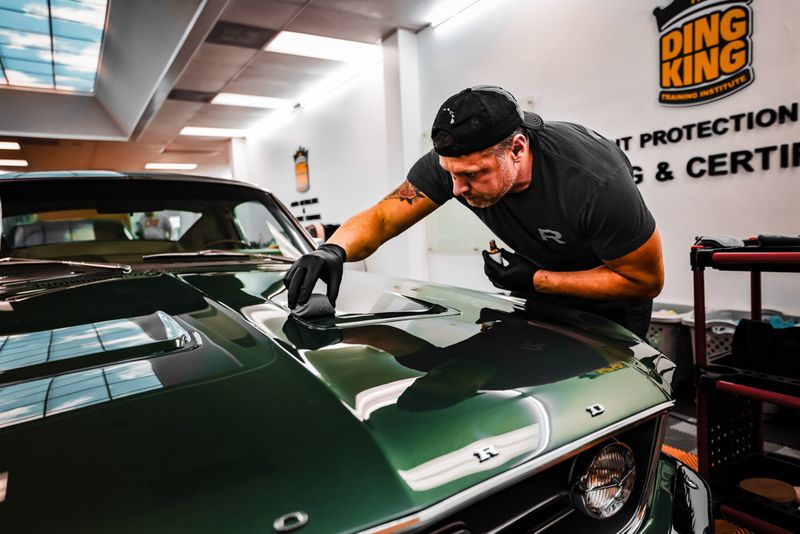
(92, 14)
(23, 6)
(76, 85)
(51, 45)
(28, 54)
(24, 78)
(26, 21)
(18, 39)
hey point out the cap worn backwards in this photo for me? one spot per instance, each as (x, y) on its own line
(477, 118)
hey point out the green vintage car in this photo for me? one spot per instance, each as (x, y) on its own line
(153, 380)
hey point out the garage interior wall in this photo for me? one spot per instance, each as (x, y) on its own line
(595, 63)
(345, 134)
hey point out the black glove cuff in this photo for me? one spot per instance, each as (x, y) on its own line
(336, 249)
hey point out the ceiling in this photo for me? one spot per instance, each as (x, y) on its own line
(221, 51)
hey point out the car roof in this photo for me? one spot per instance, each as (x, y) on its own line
(115, 175)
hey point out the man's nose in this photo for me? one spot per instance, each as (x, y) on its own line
(459, 186)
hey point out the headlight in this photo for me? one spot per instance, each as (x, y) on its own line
(602, 489)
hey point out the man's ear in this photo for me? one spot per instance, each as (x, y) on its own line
(518, 146)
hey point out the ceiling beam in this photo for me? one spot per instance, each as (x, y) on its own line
(202, 27)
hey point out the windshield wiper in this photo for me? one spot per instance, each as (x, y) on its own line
(27, 275)
(213, 254)
(92, 265)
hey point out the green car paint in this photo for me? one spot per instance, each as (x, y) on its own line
(248, 426)
(185, 397)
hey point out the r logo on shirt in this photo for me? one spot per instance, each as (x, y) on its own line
(551, 234)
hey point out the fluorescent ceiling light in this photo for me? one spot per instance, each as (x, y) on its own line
(212, 132)
(171, 166)
(252, 101)
(303, 44)
(9, 145)
(13, 163)
(448, 9)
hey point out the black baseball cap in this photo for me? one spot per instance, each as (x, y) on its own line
(477, 118)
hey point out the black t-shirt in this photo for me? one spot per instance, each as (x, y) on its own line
(582, 205)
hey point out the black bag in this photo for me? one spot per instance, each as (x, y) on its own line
(760, 347)
(769, 240)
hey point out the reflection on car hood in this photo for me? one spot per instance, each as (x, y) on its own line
(216, 409)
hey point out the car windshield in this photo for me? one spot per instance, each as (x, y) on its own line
(127, 220)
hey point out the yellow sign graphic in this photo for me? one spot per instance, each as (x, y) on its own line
(706, 50)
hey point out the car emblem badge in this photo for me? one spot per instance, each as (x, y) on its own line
(595, 409)
(289, 522)
(486, 453)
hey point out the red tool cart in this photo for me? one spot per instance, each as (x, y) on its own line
(730, 396)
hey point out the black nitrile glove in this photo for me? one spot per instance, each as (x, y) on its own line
(326, 263)
(516, 276)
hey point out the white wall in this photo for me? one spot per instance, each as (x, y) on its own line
(596, 63)
(345, 134)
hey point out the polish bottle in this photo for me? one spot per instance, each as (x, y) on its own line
(494, 252)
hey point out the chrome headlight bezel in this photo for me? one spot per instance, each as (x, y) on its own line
(601, 483)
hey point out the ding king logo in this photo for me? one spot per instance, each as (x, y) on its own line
(706, 50)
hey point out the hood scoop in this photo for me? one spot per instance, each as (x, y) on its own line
(369, 308)
(46, 352)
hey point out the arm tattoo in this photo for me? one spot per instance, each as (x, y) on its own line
(406, 193)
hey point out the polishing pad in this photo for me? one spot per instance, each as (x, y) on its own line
(317, 306)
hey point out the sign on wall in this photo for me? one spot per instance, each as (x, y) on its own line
(301, 170)
(300, 210)
(705, 50)
(771, 157)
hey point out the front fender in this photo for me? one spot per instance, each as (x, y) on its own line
(681, 501)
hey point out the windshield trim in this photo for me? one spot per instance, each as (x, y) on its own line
(295, 223)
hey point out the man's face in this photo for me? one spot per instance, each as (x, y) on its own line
(482, 178)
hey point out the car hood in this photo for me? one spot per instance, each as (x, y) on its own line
(191, 399)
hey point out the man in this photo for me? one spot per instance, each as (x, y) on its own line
(153, 226)
(559, 194)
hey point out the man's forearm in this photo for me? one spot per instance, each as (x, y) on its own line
(600, 283)
(360, 235)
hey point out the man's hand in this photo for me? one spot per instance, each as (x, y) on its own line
(326, 263)
(516, 276)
